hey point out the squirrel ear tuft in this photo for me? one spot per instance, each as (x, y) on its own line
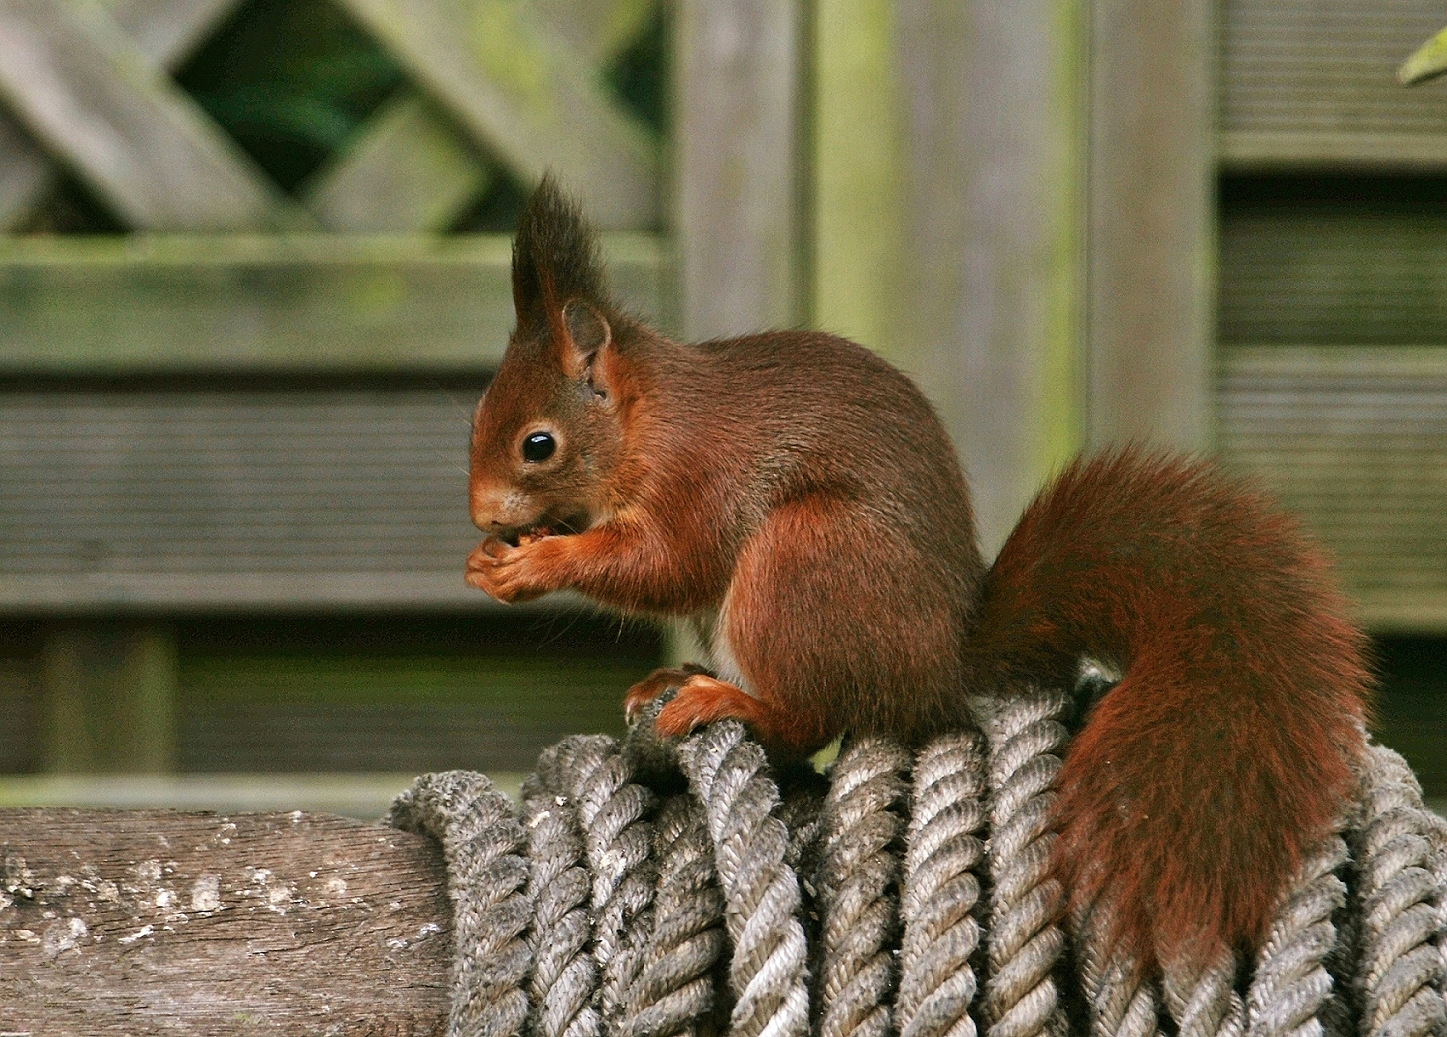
(554, 260)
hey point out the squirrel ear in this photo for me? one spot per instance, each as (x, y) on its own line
(587, 333)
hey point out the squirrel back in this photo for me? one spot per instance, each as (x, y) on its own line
(1197, 783)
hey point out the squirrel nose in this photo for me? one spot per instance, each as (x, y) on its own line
(499, 509)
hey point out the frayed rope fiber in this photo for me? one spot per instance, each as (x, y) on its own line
(648, 890)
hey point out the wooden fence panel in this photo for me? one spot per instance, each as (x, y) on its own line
(1314, 84)
(176, 923)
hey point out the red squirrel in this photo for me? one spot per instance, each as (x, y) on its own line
(798, 499)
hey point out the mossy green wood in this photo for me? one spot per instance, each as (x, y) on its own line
(285, 303)
(948, 219)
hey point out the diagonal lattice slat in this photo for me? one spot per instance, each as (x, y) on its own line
(409, 170)
(516, 83)
(163, 30)
(80, 83)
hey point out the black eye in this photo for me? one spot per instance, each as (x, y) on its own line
(539, 446)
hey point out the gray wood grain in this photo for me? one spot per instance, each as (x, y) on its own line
(164, 31)
(81, 86)
(737, 165)
(163, 922)
(1151, 231)
(1313, 84)
(992, 245)
(520, 89)
(1354, 441)
(408, 170)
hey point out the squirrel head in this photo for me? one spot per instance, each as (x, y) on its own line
(546, 434)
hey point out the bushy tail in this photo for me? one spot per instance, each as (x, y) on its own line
(1199, 782)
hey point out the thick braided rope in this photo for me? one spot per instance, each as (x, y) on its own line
(1399, 857)
(1291, 983)
(856, 879)
(944, 853)
(483, 843)
(527, 898)
(675, 987)
(1122, 1001)
(727, 772)
(1203, 1001)
(1024, 941)
(617, 839)
(564, 981)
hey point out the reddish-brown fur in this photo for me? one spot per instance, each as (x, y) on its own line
(798, 497)
(1196, 784)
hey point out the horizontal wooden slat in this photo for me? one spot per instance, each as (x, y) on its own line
(1347, 278)
(1315, 83)
(1353, 439)
(299, 303)
(234, 499)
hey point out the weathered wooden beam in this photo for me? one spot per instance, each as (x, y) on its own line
(992, 295)
(298, 303)
(519, 88)
(1151, 233)
(737, 161)
(1310, 85)
(163, 30)
(162, 922)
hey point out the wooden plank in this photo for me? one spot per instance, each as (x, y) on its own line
(291, 303)
(857, 162)
(163, 30)
(993, 286)
(1151, 231)
(109, 693)
(136, 137)
(407, 171)
(1354, 440)
(165, 923)
(1372, 271)
(1315, 83)
(519, 88)
(736, 154)
(598, 29)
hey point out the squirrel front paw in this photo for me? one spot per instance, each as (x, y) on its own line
(510, 574)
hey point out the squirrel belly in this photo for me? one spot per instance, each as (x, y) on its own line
(1197, 784)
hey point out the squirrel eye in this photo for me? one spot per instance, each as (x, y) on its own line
(538, 446)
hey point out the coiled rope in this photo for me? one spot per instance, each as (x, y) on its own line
(651, 891)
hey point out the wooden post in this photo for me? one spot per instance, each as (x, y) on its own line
(736, 165)
(1152, 222)
(992, 292)
(110, 699)
(162, 922)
